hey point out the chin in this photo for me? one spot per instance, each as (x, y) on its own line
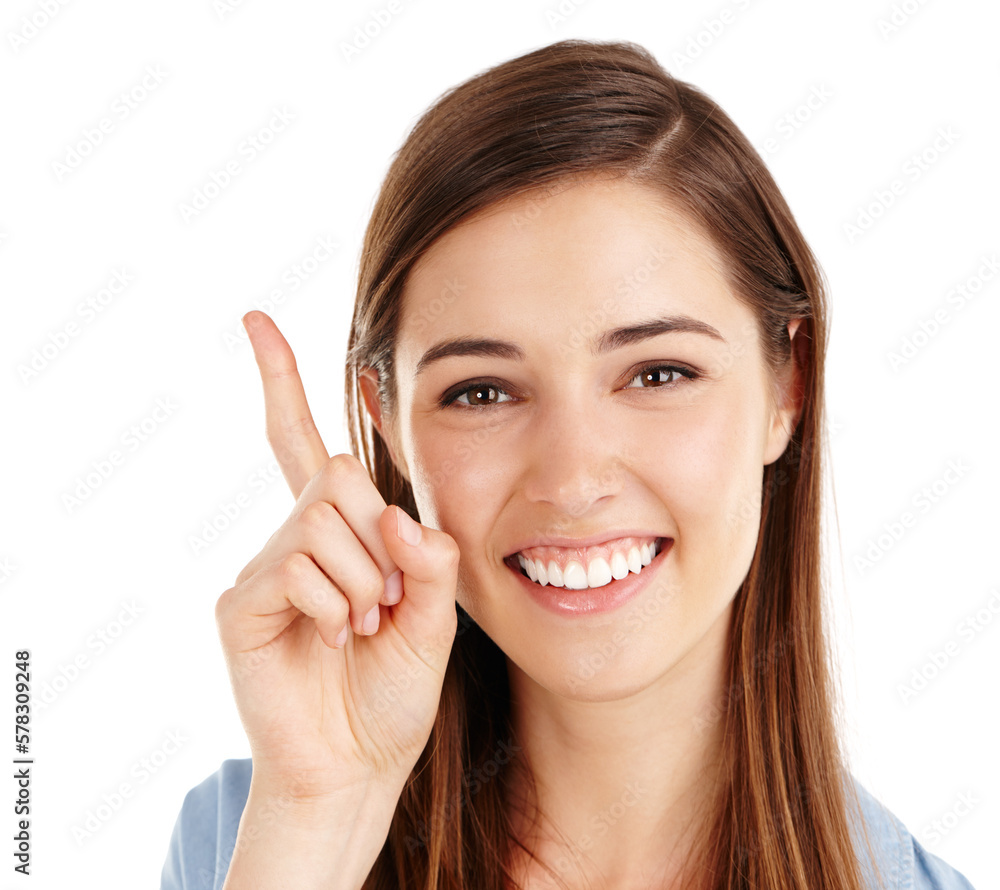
(593, 677)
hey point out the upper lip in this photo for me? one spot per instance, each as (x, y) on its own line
(589, 541)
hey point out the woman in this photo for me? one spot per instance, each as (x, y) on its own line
(557, 622)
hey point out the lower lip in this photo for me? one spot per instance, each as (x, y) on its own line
(593, 601)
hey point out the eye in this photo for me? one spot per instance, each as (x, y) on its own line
(480, 395)
(652, 377)
(488, 393)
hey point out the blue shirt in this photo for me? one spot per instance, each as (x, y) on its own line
(205, 834)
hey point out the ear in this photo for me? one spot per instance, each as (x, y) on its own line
(790, 396)
(368, 380)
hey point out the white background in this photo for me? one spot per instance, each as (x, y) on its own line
(880, 96)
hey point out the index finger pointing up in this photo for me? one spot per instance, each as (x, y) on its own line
(291, 432)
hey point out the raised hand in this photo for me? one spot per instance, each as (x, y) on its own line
(327, 709)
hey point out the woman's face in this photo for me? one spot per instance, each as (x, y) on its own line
(549, 427)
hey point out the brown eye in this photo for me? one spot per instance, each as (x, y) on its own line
(482, 395)
(479, 395)
(658, 376)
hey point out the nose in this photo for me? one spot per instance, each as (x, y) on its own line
(575, 461)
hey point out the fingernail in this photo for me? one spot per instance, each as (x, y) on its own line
(407, 529)
(393, 589)
(370, 624)
(341, 637)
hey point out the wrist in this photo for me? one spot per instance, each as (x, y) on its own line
(329, 841)
(305, 799)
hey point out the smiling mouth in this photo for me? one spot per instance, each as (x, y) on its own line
(587, 573)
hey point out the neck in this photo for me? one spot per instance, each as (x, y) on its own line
(623, 789)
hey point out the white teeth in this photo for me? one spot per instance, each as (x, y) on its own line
(574, 578)
(555, 574)
(543, 574)
(597, 574)
(531, 569)
(634, 560)
(619, 566)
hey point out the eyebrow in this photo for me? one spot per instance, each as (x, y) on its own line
(608, 341)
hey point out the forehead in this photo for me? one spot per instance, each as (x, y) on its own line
(546, 261)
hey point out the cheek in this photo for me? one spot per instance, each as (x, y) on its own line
(709, 467)
(459, 483)
(459, 479)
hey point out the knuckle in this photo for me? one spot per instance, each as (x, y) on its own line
(316, 596)
(451, 553)
(294, 569)
(222, 604)
(248, 570)
(318, 516)
(342, 466)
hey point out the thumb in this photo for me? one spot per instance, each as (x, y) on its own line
(428, 559)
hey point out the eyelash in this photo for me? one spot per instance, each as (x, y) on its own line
(451, 399)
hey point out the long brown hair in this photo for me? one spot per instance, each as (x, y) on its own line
(575, 108)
